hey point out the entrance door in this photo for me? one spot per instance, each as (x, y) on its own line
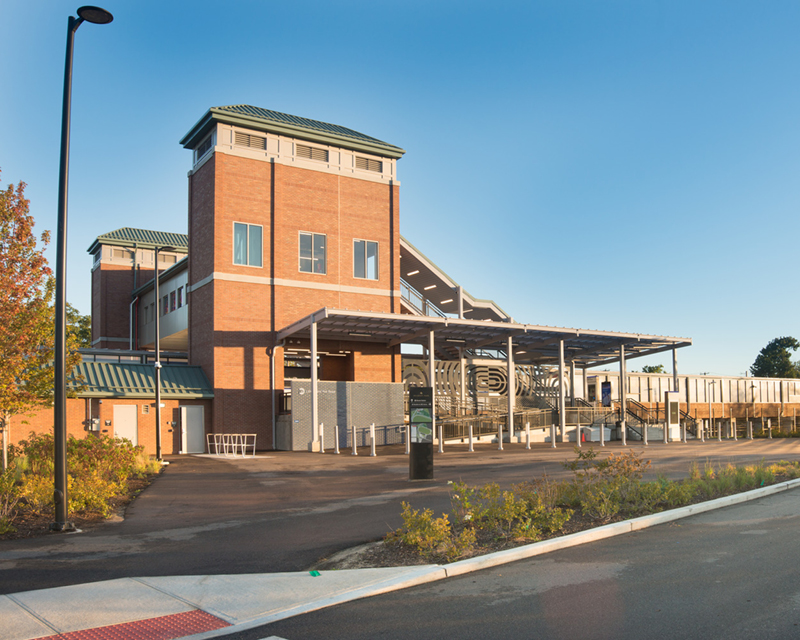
(125, 422)
(193, 436)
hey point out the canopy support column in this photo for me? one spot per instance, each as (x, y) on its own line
(562, 401)
(623, 396)
(512, 387)
(314, 389)
(432, 382)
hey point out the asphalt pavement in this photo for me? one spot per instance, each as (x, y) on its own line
(207, 518)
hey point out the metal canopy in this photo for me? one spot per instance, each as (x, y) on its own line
(533, 344)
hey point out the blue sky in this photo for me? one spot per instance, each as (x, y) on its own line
(619, 165)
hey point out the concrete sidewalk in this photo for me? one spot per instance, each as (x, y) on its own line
(165, 608)
(199, 606)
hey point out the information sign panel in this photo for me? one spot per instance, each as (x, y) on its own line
(420, 426)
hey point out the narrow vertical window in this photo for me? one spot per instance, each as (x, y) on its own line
(365, 259)
(247, 244)
(180, 297)
(239, 243)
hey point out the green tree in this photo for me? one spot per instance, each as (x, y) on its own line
(26, 314)
(653, 368)
(775, 360)
(79, 328)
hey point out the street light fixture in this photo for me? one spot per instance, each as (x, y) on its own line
(157, 363)
(95, 15)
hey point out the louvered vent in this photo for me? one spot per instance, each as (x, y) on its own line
(203, 148)
(246, 140)
(369, 164)
(312, 153)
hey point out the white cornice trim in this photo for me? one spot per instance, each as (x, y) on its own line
(282, 282)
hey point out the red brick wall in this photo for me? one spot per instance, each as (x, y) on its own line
(111, 298)
(232, 324)
(80, 409)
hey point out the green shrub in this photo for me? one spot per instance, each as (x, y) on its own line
(432, 537)
(98, 470)
(9, 498)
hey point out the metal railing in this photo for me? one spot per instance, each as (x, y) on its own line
(419, 302)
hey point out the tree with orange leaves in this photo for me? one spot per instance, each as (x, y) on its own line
(26, 315)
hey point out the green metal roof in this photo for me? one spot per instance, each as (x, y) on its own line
(244, 115)
(128, 237)
(133, 380)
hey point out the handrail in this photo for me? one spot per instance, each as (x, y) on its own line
(419, 302)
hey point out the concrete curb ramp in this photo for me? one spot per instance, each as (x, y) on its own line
(251, 600)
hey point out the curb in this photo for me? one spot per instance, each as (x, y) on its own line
(432, 573)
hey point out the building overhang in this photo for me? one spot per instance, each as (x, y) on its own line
(292, 126)
(532, 344)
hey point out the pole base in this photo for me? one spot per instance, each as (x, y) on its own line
(63, 526)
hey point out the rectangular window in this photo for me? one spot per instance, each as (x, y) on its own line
(312, 253)
(204, 147)
(365, 259)
(180, 297)
(173, 301)
(247, 244)
(164, 305)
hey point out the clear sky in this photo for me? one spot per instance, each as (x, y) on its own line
(620, 165)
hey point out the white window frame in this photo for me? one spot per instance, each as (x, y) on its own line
(313, 235)
(366, 275)
(248, 262)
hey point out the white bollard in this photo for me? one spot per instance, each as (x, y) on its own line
(470, 438)
(602, 434)
(644, 432)
(408, 439)
(749, 429)
(441, 438)
(355, 448)
(553, 436)
(322, 437)
(578, 435)
(336, 440)
(769, 426)
(500, 436)
(372, 440)
(527, 435)
(683, 427)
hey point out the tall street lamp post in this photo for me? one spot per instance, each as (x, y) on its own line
(94, 15)
(157, 364)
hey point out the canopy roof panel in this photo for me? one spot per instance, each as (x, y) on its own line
(532, 344)
(133, 380)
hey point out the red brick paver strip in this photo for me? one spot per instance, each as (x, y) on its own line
(169, 627)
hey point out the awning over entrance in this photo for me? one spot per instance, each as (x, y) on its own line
(532, 344)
